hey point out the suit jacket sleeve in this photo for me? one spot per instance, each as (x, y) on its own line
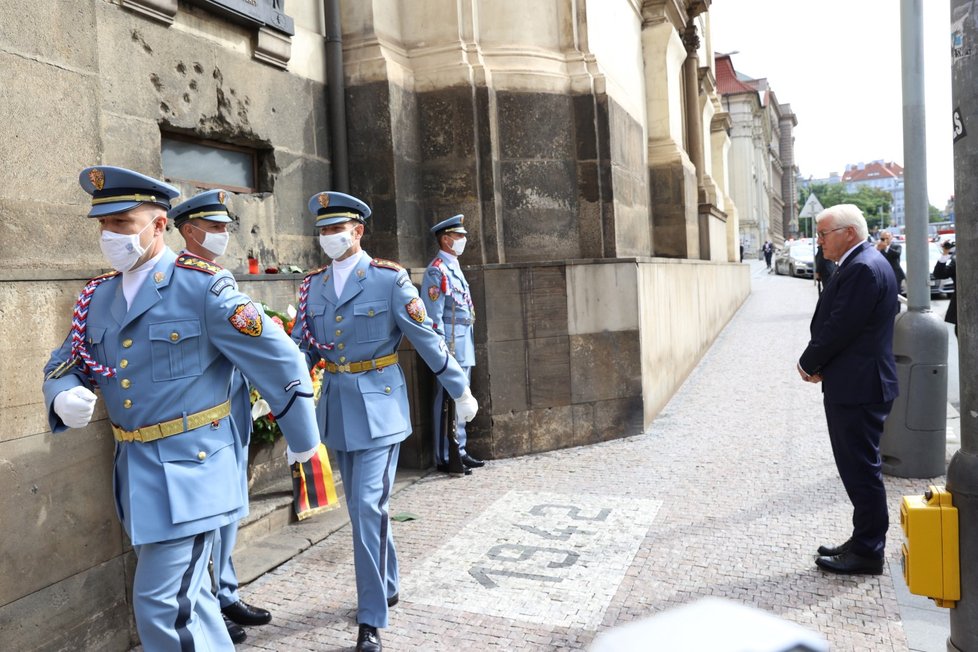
(850, 311)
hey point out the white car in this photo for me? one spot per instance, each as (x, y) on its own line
(796, 258)
(937, 286)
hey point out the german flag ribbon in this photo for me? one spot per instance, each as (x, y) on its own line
(313, 489)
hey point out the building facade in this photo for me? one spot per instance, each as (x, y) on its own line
(883, 175)
(762, 166)
(585, 141)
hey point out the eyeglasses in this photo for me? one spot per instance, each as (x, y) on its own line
(821, 234)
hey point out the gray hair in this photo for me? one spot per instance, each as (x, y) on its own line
(846, 215)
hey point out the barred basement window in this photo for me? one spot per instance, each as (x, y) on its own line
(209, 164)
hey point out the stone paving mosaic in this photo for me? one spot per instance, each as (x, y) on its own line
(553, 559)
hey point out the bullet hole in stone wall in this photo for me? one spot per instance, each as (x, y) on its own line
(182, 69)
(199, 69)
(156, 81)
(138, 38)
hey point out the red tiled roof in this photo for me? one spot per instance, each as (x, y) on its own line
(870, 171)
(727, 81)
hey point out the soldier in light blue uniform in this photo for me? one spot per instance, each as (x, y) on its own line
(353, 315)
(203, 222)
(449, 304)
(159, 339)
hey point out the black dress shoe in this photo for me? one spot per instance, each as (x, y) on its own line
(368, 639)
(830, 551)
(849, 563)
(471, 462)
(235, 631)
(394, 599)
(244, 614)
(443, 468)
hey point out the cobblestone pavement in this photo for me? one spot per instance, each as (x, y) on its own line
(728, 494)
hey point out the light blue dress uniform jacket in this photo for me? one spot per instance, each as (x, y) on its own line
(441, 306)
(370, 409)
(182, 349)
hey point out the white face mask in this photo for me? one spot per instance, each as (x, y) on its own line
(216, 243)
(458, 246)
(122, 251)
(336, 244)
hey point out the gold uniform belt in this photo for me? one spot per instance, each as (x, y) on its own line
(173, 426)
(357, 367)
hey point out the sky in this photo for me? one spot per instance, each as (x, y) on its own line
(837, 63)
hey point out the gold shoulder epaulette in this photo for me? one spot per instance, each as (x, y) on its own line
(188, 261)
(386, 264)
(103, 276)
(315, 271)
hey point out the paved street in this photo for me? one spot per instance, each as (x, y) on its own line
(728, 494)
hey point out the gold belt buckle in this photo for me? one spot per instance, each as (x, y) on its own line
(343, 368)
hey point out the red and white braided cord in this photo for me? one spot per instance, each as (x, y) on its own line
(301, 316)
(79, 325)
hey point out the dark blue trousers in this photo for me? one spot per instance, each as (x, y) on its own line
(855, 432)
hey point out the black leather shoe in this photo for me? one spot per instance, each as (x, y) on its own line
(244, 614)
(849, 563)
(394, 599)
(368, 639)
(830, 551)
(443, 468)
(472, 463)
(236, 632)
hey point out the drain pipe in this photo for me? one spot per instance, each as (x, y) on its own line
(335, 94)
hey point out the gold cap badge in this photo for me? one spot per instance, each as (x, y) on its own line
(97, 177)
(222, 197)
(324, 200)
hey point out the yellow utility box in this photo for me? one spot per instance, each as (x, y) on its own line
(930, 553)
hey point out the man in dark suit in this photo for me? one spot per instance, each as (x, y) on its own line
(851, 354)
(891, 251)
(945, 268)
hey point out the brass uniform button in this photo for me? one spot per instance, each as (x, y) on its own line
(341, 346)
(174, 336)
(338, 332)
(339, 318)
(201, 455)
(342, 358)
(126, 383)
(126, 343)
(370, 313)
(123, 363)
(387, 390)
(127, 404)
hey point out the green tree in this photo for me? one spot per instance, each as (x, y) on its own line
(873, 202)
(934, 214)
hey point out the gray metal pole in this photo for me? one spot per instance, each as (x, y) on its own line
(962, 474)
(914, 443)
(915, 155)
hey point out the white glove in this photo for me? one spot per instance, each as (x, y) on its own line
(301, 458)
(466, 406)
(75, 406)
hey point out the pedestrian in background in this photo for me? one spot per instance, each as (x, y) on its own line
(824, 268)
(448, 301)
(353, 315)
(203, 222)
(945, 268)
(851, 354)
(160, 338)
(891, 251)
(768, 251)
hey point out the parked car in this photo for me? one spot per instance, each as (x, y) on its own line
(796, 258)
(937, 286)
